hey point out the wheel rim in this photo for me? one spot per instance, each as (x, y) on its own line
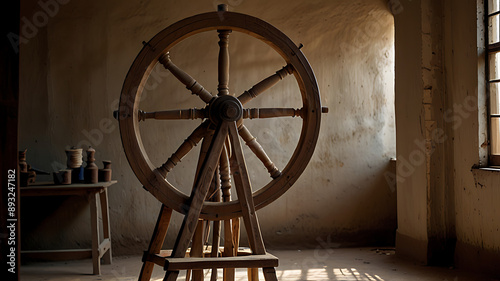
(153, 51)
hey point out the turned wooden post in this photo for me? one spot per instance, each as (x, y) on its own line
(185, 147)
(185, 78)
(223, 87)
(255, 113)
(265, 84)
(192, 113)
(257, 149)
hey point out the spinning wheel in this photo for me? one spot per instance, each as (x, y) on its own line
(222, 129)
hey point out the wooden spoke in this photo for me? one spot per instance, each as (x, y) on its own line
(223, 68)
(186, 79)
(185, 147)
(192, 113)
(256, 113)
(265, 84)
(257, 149)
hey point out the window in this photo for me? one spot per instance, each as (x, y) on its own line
(493, 75)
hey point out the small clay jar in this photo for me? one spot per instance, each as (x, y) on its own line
(106, 164)
(91, 170)
(62, 177)
(105, 174)
(66, 176)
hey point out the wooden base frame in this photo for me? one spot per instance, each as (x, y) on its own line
(192, 228)
(200, 257)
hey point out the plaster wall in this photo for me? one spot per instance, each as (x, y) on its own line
(73, 68)
(476, 191)
(411, 173)
(461, 211)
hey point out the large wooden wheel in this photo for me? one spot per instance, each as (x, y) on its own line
(223, 117)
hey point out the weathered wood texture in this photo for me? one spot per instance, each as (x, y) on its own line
(156, 242)
(266, 260)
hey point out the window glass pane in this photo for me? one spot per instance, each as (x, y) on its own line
(493, 30)
(495, 98)
(495, 136)
(494, 63)
(493, 6)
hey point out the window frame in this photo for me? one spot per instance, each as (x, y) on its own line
(490, 49)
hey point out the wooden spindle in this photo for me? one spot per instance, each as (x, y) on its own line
(257, 149)
(255, 113)
(225, 176)
(185, 78)
(185, 147)
(223, 68)
(265, 84)
(192, 113)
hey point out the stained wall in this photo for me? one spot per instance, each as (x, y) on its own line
(447, 193)
(73, 68)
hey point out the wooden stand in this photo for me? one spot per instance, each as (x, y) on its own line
(192, 227)
(200, 257)
(222, 127)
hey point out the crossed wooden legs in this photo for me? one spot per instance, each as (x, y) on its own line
(192, 228)
(156, 243)
(154, 254)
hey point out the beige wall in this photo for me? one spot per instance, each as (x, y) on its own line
(476, 191)
(447, 208)
(411, 181)
(73, 69)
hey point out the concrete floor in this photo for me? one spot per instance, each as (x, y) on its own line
(320, 264)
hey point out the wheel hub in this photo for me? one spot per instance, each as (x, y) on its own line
(225, 108)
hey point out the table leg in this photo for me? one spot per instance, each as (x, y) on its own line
(107, 257)
(95, 233)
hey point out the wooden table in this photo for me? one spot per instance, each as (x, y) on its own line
(95, 192)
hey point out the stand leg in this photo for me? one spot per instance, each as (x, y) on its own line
(253, 274)
(270, 274)
(236, 235)
(244, 191)
(198, 195)
(156, 242)
(197, 248)
(216, 190)
(228, 273)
